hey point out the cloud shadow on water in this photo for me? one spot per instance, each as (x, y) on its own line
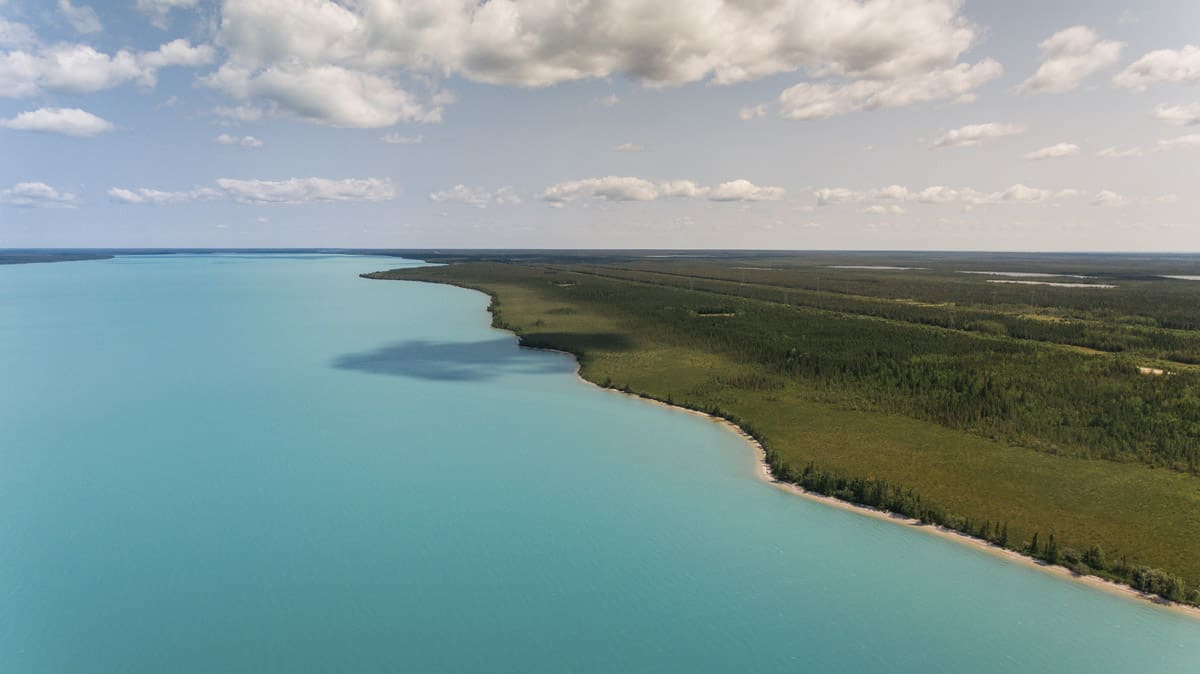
(452, 361)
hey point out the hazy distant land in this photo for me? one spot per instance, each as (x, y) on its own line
(33, 256)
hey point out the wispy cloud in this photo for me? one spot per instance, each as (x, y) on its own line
(290, 191)
(1069, 57)
(627, 188)
(976, 134)
(477, 197)
(152, 197)
(399, 139)
(249, 142)
(941, 194)
(1179, 142)
(82, 18)
(822, 100)
(1056, 151)
(1182, 115)
(159, 10)
(752, 112)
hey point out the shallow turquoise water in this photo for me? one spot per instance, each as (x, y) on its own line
(266, 464)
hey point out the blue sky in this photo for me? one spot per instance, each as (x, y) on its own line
(915, 124)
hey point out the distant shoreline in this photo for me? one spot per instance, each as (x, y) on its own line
(41, 258)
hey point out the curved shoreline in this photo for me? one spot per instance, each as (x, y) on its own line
(763, 473)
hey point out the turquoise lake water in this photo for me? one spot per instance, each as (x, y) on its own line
(266, 464)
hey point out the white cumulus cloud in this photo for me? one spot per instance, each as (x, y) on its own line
(659, 42)
(1068, 57)
(368, 51)
(1163, 65)
(327, 93)
(685, 189)
(37, 195)
(880, 209)
(744, 190)
(66, 121)
(611, 188)
(306, 190)
(80, 69)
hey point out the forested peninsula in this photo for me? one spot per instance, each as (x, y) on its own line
(1047, 404)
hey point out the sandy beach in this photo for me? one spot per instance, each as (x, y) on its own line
(763, 472)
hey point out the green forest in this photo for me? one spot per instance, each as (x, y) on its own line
(1063, 422)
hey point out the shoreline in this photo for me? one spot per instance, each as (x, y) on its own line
(763, 472)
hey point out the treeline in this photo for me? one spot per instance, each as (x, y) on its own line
(883, 495)
(893, 498)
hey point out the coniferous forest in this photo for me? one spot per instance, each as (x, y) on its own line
(1059, 421)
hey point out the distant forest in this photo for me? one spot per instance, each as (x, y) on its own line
(983, 370)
